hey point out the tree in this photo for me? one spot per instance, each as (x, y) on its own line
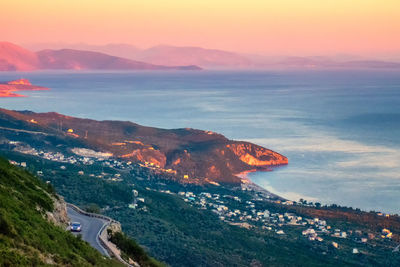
(92, 208)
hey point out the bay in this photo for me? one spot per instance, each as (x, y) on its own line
(339, 129)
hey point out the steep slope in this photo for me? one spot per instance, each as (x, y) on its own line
(27, 238)
(194, 156)
(13, 57)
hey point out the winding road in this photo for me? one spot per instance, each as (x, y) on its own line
(91, 228)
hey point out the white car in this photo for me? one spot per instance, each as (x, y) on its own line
(76, 227)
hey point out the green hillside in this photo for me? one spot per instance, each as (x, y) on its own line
(26, 237)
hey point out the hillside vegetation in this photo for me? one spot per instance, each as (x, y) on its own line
(187, 155)
(170, 229)
(26, 237)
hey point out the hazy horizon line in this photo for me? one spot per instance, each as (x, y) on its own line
(384, 55)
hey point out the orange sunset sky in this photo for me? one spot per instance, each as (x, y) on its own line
(295, 27)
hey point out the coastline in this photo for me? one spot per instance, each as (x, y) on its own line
(316, 158)
(244, 175)
(7, 90)
(248, 184)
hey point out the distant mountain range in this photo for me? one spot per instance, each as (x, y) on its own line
(328, 63)
(169, 55)
(208, 58)
(16, 58)
(163, 57)
(219, 59)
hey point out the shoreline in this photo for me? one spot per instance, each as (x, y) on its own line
(250, 185)
(8, 91)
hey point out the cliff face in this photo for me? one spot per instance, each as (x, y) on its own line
(59, 214)
(257, 156)
(191, 155)
(221, 160)
(147, 155)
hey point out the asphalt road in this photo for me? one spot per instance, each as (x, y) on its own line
(90, 228)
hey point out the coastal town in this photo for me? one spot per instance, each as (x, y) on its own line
(234, 210)
(80, 156)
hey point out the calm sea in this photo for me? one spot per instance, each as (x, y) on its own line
(339, 129)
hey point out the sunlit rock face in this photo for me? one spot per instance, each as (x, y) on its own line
(220, 159)
(7, 89)
(20, 82)
(147, 155)
(257, 156)
(213, 172)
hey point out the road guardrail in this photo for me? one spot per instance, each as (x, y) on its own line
(102, 243)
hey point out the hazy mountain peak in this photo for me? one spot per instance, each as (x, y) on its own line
(13, 57)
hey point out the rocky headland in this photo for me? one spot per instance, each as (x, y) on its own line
(7, 89)
(187, 155)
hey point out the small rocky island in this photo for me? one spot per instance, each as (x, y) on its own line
(7, 89)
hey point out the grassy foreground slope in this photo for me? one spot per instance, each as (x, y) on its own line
(172, 230)
(26, 237)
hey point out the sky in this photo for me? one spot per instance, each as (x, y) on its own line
(270, 27)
